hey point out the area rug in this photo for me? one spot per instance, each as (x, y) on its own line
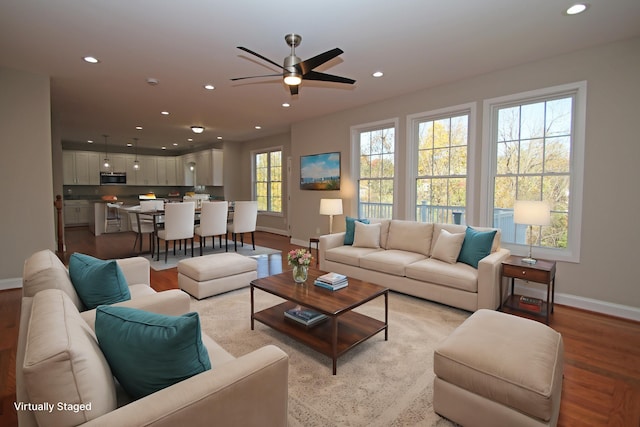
(172, 260)
(379, 383)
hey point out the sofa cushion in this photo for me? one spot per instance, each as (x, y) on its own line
(384, 230)
(44, 270)
(348, 254)
(63, 362)
(459, 275)
(447, 247)
(351, 229)
(148, 351)
(391, 261)
(410, 236)
(97, 281)
(457, 228)
(366, 235)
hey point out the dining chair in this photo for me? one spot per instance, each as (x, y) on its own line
(245, 215)
(142, 226)
(178, 226)
(213, 222)
(112, 216)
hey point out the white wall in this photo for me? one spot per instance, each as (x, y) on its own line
(25, 170)
(605, 276)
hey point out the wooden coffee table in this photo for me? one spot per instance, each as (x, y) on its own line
(344, 328)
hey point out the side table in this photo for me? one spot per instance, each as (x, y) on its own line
(543, 271)
(316, 241)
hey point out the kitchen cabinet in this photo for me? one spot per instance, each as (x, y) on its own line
(80, 168)
(77, 212)
(209, 166)
(166, 167)
(146, 175)
(117, 162)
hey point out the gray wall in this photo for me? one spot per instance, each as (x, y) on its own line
(610, 201)
(26, 181)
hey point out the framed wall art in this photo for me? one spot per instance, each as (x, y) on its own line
(320, 171)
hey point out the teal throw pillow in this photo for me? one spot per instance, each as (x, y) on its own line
(148, 351)
(351, 229)
(96, 281)
(476, 245)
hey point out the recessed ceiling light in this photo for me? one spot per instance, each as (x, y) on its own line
(286, 105)
(209, 87)
(164, 148)
(90, 141)
(139, 127)
(258, 127)
(164, 113)
(129, 144)
(219, 137)
(91, 59)
(577, 8)
(378, 74)
(189, 139)
(175, 144)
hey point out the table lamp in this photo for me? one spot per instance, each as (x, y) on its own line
(531, 213)
(331, 207)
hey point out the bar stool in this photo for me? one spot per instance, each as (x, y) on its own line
(112, 216)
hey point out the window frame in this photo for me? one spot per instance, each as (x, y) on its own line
(413, 121)
(355, 159)
(576, 164)
(254, 154)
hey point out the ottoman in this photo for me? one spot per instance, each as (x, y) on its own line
(213, 274)
(497, 369)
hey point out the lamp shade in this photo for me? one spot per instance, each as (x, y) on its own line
(531, 212)
(330, 206)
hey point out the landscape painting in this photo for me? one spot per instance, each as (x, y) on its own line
(320, 171)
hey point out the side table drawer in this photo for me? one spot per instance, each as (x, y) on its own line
(526, 273)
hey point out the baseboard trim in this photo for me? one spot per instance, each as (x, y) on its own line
(273, 230)
(304, 243)
(598, 306)
(11, 283)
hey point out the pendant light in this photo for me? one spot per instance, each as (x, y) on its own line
(106, 164)
(136, 163)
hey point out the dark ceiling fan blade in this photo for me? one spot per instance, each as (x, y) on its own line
(314, 75)
(253, 77)
(311, 63)
(261, 57)
(294, 89)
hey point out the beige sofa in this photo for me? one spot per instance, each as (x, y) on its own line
(59, 362)
(404, 263)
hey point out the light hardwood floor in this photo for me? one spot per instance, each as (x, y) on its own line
(602, 354)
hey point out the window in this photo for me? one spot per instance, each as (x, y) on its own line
(440, 144)
(267, 185)
(376, 170)
(536, 148)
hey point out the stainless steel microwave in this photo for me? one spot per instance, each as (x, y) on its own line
(113, 178)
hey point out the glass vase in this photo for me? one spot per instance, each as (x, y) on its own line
(300, 273)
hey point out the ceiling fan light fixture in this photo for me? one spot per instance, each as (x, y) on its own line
(197, 129)
(292, 79)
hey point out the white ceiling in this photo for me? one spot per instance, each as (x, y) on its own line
(187, 43)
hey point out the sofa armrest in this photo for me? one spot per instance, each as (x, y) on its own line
(136, 270)
(489, 273)
(329, 241)
(172, 302)
(251, 390)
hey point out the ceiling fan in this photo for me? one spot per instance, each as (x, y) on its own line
(295, 71)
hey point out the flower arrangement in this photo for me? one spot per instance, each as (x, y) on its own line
(299, 258)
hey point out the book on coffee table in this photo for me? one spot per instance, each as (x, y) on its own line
(305, 316)
(331, 287)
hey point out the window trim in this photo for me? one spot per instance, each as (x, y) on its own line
(253, 176)
(412, 153)
(355, 158)
(490, 108)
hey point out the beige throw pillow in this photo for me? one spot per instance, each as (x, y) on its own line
(447, 247)
(366, 235)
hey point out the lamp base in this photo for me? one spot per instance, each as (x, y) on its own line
(529, 260)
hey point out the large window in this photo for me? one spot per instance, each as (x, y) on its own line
(376, 172)
(440, 142)
(267, 184)
(536, 154)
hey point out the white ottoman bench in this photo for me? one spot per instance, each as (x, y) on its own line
(497, 369)
(214, 274)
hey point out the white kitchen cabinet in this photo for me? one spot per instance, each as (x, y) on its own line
(80, 168)
(77, 212)
(218, 167)
(117, 163)
(209, 167)
(166, 167)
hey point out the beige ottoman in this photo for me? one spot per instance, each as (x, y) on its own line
(497, 369)
(213, 274)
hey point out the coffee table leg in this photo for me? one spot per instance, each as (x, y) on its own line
(334, 343)
(386, 316)
(252, 307)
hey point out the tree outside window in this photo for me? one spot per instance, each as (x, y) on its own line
(268, 180)
(376, 174)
